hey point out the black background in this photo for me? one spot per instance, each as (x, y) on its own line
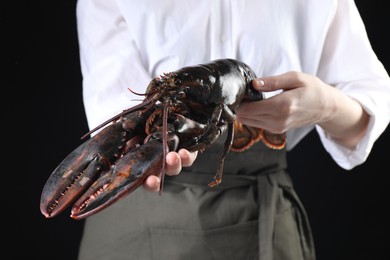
(348, 209)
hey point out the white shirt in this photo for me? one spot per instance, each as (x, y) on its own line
(126, 43)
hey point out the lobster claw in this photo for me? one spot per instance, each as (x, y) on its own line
(83, 166)
(127, 174)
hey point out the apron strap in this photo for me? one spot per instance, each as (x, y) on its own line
(267, 201)
(268, 186)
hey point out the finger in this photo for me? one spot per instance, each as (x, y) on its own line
(152, 183)
(252, 108)
(254, 122)
(173, 163)
(283, 81)
(260, 109)
(187, 158)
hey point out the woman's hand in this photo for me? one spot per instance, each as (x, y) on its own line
(305, 100)
(174, 163)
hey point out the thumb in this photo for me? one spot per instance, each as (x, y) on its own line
(266, 84)
(279, 82)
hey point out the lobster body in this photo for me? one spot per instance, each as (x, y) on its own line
(225, 82)
(188, 108)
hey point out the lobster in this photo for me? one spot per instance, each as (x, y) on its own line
(187, 108)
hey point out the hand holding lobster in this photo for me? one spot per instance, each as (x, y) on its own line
(305, 100)
(174, 163)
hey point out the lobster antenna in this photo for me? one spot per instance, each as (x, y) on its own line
(165, 147)
(136, 93)
(146, 102)
(143, 94)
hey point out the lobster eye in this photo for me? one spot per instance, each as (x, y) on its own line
(181, 95)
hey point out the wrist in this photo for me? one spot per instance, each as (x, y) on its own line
(345, 120)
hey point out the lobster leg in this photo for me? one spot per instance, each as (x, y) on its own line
(224, 153)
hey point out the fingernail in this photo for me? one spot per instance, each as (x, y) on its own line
(260, 82)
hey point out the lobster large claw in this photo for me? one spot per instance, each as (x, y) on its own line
(76, 173)
(127, 174)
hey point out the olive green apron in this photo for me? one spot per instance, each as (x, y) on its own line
(253, 214)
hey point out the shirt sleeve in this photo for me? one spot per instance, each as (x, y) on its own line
(110, 61)
(350, 64)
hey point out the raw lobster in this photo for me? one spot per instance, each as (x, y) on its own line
(188, 108)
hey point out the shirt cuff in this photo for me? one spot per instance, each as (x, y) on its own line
(349, 158)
